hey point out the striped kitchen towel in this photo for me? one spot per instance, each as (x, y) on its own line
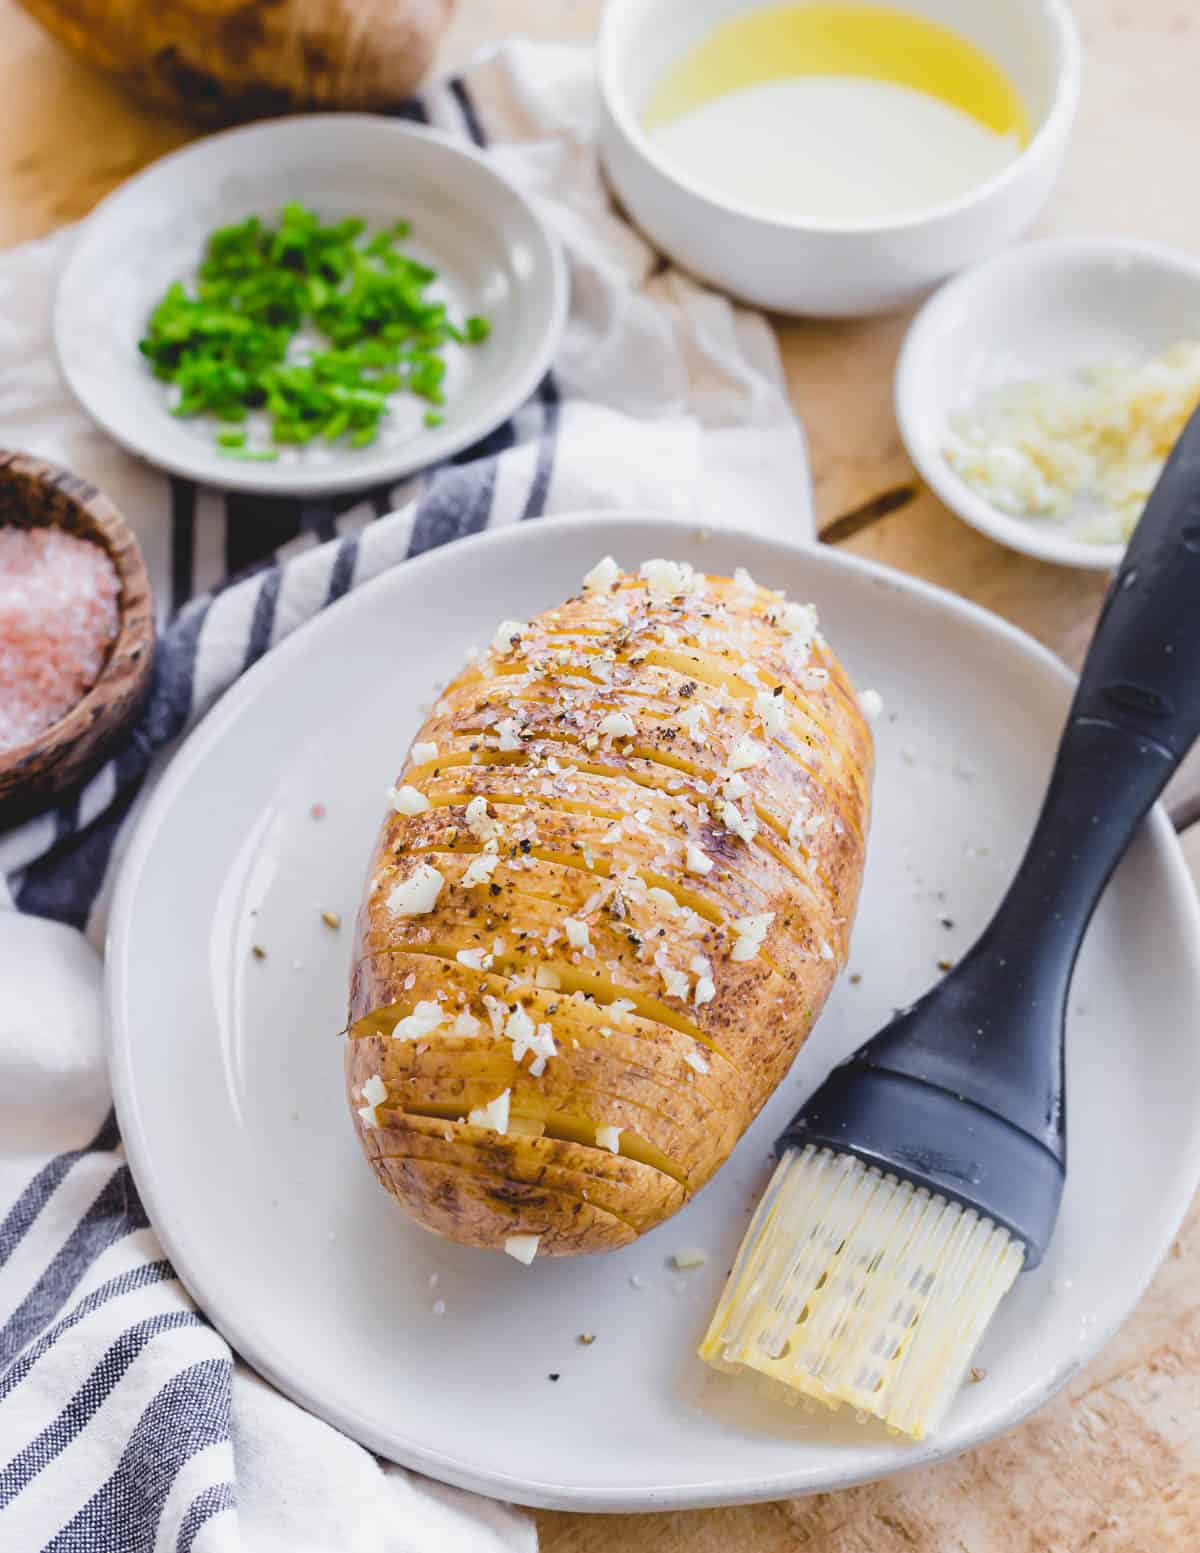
(126, 1425)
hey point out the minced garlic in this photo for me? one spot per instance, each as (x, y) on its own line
(522, 1248)
(1083, 449)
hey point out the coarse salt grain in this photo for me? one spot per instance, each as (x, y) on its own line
(408, 800)
(417, 895)
(617, 724)
(494, 1114)
(519, 1030)
(479, 822)
(771, 709)
(797, 620)
(523, 1248)
(374, 1091)
(750, 931)
(705, 990)
(59, 616)
(669, 579)
(423, 1021)
(744, 826)
(508, 729)
(609, 1138)
(602, 576)
(497, 1012)
(423, 752)
(479, 870)
(508, 634)
(745, 754)
(870, 704)
(675, 982)
(577, 932)
(694, 719)
(696, 861)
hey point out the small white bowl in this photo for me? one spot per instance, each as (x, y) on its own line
(493, 253)
(1041, 310)
(782, 262)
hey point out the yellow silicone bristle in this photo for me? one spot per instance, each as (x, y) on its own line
(858, 1287)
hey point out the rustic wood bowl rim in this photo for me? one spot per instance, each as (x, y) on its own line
(104, 525)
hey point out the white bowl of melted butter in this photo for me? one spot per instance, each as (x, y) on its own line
(837, 158)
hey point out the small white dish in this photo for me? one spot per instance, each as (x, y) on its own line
(777, 261)
(227, 1069)
(493, 252)
(1041, 310)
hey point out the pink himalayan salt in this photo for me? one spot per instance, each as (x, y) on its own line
(58, 618)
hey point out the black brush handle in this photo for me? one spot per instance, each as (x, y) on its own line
(991, 1032)
(1135, 715)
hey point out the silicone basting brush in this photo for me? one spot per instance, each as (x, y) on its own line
(927, 1170)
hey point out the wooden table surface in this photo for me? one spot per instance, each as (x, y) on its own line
(1113, 1465)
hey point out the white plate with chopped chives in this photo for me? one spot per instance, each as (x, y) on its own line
(1039, 393)
(311, 305)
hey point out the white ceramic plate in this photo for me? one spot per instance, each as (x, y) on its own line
(228, 1070)
(1040, 310)
(493, 253)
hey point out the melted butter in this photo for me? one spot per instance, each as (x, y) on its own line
(840, 114)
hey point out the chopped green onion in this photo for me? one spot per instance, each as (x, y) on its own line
(230, 346)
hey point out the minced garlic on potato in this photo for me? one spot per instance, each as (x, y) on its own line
(1084, 449)
(610, 910)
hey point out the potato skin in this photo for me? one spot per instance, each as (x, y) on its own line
(571, 790)
(220, 61)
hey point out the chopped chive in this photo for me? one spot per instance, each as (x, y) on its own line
(230, 343)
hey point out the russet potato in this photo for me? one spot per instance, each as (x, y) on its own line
(612, 893)
(224, 60)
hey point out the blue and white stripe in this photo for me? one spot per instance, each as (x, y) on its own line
(124, 1418)
(115, 1392)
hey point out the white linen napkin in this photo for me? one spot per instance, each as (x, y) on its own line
(125, 1422)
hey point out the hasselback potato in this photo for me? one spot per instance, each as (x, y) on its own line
(613, 891)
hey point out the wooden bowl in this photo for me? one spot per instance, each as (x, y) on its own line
(38, 494)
